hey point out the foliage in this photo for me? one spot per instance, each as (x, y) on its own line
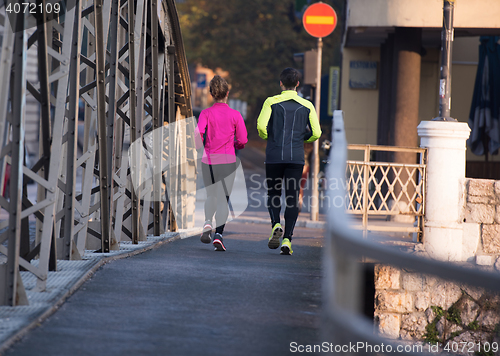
(252, 40)
(453, 315)
(473, 325)
(431, 333)
(438, 311)
(484, 353)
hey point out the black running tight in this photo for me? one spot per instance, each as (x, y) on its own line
(287, 176)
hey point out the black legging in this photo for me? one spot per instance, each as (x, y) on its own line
(290, 173)
(213, 176)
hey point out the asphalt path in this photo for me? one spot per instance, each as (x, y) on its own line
(183, 298)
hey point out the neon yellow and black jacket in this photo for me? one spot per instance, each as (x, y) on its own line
(286, 121)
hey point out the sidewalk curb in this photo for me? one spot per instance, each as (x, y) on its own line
(300, 223)
(19, 334)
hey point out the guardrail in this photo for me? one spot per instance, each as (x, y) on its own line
(386, 188)
(343, 322)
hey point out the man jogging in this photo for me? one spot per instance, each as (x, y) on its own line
(286, 121)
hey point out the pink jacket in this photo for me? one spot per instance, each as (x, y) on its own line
(225, 130)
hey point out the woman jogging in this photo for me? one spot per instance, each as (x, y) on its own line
(220, 130)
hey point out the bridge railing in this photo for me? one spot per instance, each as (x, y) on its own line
(386, 189)
(343, 273)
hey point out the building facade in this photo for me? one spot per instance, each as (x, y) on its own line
(391, 67)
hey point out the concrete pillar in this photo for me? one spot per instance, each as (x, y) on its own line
(407, 48)
(443, 230)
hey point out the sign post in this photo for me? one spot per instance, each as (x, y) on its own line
(447, 35)
(319, 21)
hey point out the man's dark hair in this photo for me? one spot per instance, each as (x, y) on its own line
(290, 77)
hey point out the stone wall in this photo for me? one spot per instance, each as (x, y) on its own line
(418, 307)
(481, 219)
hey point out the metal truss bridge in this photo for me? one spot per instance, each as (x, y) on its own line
(108, 73)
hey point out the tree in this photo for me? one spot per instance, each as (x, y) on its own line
(252, 40)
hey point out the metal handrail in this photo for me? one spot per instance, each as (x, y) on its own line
(343, 275)
(385, 148)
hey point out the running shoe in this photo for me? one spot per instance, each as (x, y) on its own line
(219, 242)
(274, 240)
(206, 236)
(286, 247)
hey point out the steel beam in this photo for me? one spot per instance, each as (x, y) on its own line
(172, 136)
(71, 140)
(157, 121)
(111, 133)
(135, 128)
(18, 100)
(104, 178)
(61, 62)
(140, 59)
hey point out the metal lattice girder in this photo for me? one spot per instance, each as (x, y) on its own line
(69, 249)
(84, 191)
(15, 153)
(20, 207)
(135, 129)
(117, 114)
(104, 178)
(156, 79)
(59, 69)
(134, 213)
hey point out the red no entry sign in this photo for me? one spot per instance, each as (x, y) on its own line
(319, 20)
